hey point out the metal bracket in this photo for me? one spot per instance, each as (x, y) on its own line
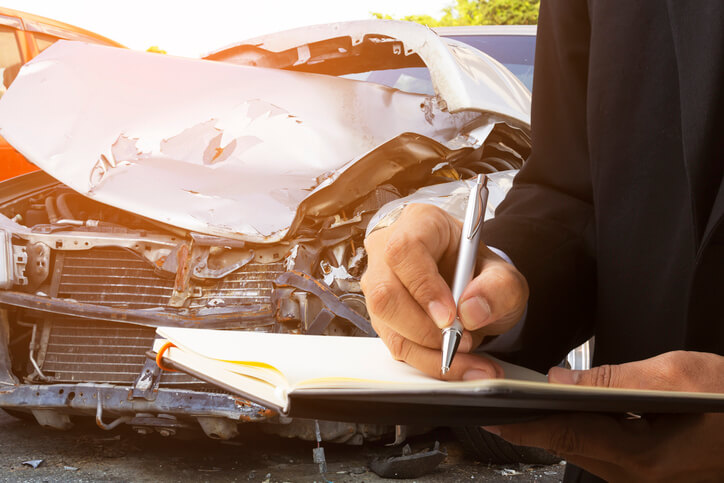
(181, 257)
(320, 322)
(303, 281)
(201, 265)
(318, 452)
(146, 384)
(6, 374)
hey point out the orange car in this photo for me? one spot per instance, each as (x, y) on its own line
(22, 37)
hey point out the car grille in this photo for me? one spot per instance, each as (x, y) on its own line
(119, 278)
(112, 277)
(89, 350)
(251, 285)
(82, 350)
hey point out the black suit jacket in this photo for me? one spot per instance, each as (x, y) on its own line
(616, 218)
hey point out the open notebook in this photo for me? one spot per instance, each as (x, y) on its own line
(355, 378)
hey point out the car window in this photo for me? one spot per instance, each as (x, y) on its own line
(10, 59)
(410, 79)
(516, 52)
(43, 41)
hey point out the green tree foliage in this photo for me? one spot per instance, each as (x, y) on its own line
(479, 12)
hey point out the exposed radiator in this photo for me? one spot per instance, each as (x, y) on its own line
(119, 278)
(87, 350)
(112, 277)
(83, 350)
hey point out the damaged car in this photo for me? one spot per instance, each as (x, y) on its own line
(226, 195)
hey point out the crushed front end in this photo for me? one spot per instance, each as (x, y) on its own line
(238, 207)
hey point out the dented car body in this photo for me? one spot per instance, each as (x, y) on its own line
(195, 193)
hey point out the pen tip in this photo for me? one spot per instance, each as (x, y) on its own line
(444, 370)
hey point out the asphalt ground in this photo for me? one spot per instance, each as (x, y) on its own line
(85, 453)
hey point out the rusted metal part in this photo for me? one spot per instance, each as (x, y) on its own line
(146, 384)
(38, 267)
(99, 417)
(83, 398)
(258, 413)
(201, 267)
(320, 322)
(303, 281)
(33, 346)
(182, 284)
(243, 316)
(162, 422)
(149, 247)
(330, 431)
(6, 375)
(215, 241)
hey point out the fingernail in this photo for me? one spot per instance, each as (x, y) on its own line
(440, 313)
(474, 311)
(560, 375)
(474, 374)
(492, 429)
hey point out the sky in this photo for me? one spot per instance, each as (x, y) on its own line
(196, 27)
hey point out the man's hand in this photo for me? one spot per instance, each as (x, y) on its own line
(409, 300)
(665, 447)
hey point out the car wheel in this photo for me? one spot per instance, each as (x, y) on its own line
(489, 448)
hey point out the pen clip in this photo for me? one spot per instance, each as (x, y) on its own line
(478, 212)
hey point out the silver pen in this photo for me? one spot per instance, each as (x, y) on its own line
(465, 266)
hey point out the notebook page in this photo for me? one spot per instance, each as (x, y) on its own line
(324, 359)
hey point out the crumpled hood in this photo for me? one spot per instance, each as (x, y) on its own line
(462, 76)
(209, 147)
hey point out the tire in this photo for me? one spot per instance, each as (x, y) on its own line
(489, 448)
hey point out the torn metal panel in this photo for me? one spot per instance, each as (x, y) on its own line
(202, 145)
(234, 317)
(84, 396)
(463, 77)
(450, 197)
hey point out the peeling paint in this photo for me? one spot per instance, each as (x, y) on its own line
(245, 159)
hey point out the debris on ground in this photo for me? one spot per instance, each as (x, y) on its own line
(509, 472)
(33, 463)
(409, 465)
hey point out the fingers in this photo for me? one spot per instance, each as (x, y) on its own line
(672, 371)
(667, 448)
(409, 300)
(591, 436)
(389, 303)
(464, 367)
(402, 284)
(421, 238)
(495, 299)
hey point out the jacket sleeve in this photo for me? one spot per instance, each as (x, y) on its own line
(546, 223)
